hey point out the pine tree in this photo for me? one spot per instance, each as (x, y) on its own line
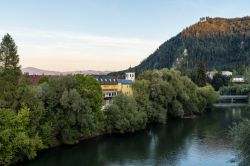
(9, 59)
(9, 72)
(201, 75)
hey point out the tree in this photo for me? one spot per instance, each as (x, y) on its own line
(201, 75)
(124, 115)
(9, 72)
(219, 81)
(9, 59)
(15, 140)
(241, 140)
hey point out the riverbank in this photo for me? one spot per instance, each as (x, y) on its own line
(199, 141)
(106, 136)
(66, 109)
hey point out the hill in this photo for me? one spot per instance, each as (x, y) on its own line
(220, 43)
(36, 71)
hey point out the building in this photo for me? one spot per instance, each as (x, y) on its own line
(125, 86)
(211, 74)
(130, 76)
(111, 86)
(238, 79)
(227, 73)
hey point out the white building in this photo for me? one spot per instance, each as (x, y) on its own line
(226, 73)
(211, 74)
(130, 76)
(238, 79)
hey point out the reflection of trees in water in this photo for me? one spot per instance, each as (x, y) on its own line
(158, 145)
(121, 148)
(101, 151)
(173, 142)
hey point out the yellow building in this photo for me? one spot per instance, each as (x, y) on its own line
(125, 86)
(111, 86)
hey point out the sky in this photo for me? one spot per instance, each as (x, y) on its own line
(67, 35)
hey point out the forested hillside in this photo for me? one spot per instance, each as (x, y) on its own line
(220, 43)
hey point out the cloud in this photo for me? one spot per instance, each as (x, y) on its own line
(63, 50)
(80, 38)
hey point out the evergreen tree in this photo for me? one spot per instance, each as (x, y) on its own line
(201, 75)
(9, 60)
(9, 72)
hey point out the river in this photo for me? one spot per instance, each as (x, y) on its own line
(202, 141)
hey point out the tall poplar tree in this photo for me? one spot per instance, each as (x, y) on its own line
(201, 75)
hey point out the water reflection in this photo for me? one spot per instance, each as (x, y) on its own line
(199, 141)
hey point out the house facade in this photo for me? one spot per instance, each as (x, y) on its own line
(125, 86)
(111, 86)
(238, 79)
(227, 73)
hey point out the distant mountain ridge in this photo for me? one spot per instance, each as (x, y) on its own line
(36, 71)
(220, 43)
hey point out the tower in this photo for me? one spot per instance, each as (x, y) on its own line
(130, 76)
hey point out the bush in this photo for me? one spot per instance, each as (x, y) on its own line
(241, 139)
(162, 92)
(243, 89)
(209, 96)
(177, 109)
(123, 115)
(14, 137)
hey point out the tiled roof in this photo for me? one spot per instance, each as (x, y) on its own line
(103, 79)
(123, 81)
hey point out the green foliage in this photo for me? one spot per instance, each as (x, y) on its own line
(9, 72)
(241, 138)
(240, 89)
(69, 108)
(89, 88)
(15, 140)
(43, 80)
(123, 115)
(166, 92)
(201, 75)
(219, 81)
(9, 59)
(209, 95)
(177, 109)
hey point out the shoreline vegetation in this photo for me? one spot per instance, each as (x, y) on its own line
(64, 110)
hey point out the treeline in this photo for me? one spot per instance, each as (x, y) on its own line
(158, 95)
(243, 89)
(60, 110)
(222, 44)
(66, 109)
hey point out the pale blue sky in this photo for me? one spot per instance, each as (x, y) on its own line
(101, 34)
